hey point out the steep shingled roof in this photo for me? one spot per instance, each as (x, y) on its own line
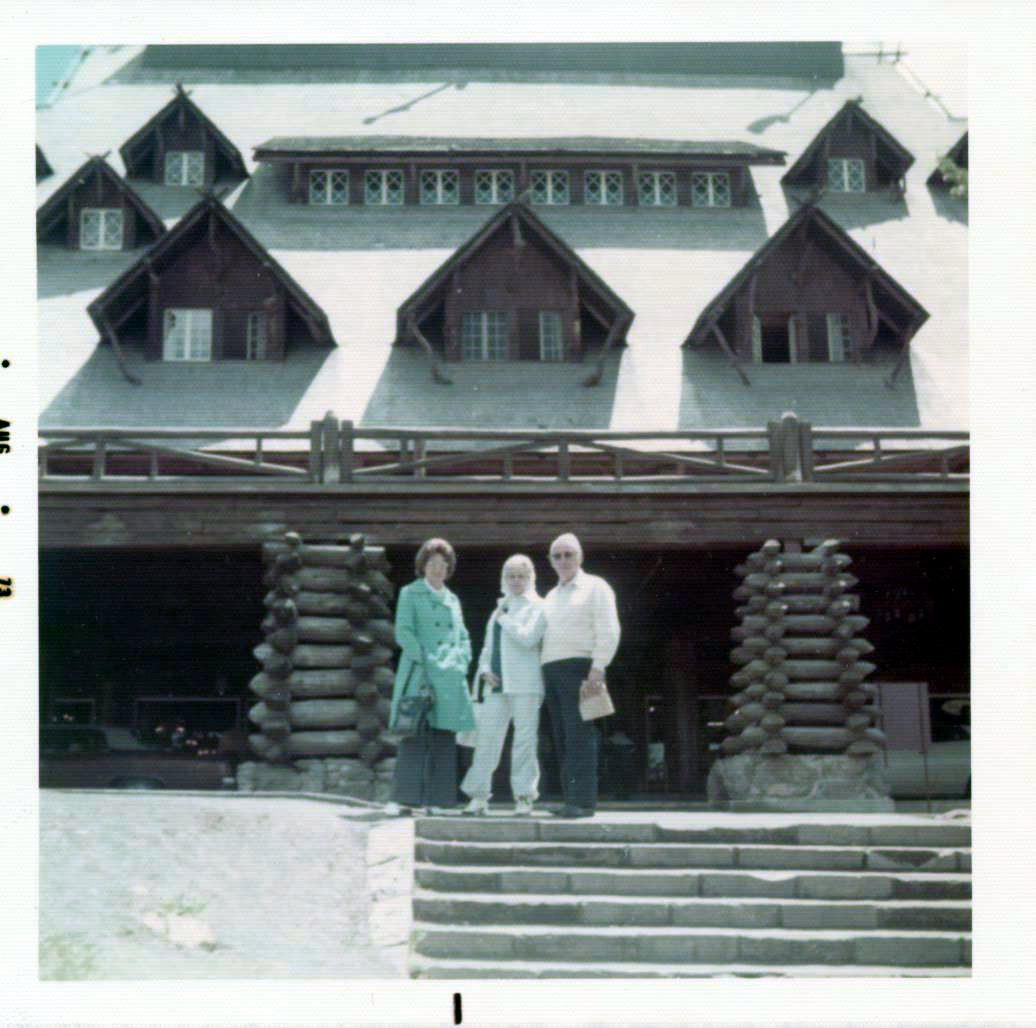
(53, 212)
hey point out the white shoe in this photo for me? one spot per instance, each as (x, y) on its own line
(392, 809)
(478, 807)
(442, 811)
(523, 806)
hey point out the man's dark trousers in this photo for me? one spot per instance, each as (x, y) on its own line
(575, 740)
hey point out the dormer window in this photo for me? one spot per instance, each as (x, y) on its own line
(710, 189)
(440, 186)
(603, 188)
(483, 335)
(185, 168)
(187, 334)
(383, 188)
(549, 188)
(100, 228)
(329, 187)
(255, 336)
(656, 189)
(845, 175)
(552, 346)
(494, 185)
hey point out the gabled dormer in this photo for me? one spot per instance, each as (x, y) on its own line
(208, 291)
(96, 209)
(180, 146)
(958, 155)
(514, 291)
(810, 294)
(43, 168)
(852, 153)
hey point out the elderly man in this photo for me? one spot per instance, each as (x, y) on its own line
(579, 643)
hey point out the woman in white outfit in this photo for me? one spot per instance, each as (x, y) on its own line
(511, 684)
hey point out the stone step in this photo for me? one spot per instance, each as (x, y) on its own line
(504, 829)
(445, 967)
(803, 884)
(485, 909)
(694, 856)
(669, 945)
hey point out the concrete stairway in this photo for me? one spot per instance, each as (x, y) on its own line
(636, 896)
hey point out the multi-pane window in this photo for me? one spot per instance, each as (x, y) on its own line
(656, 189)
(185, 168)
(100, 228)
(187, 334)
(329, 186)
(494, 185)
(551, 341)
(603, 187)
(483, 335)
(710, 189)
(839, 341)
(549, 187)
(440, 186)
(845, 175)
(255, 336)
(383, 187)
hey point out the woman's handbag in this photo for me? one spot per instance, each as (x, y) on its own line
(594, 701)
(478, 710)
(413, 710)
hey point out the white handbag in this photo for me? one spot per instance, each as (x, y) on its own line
(478, 708)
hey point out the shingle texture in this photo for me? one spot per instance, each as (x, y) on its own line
(360, 264)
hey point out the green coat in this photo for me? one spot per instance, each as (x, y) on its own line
(430, 629)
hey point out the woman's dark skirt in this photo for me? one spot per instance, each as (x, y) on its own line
(426, 770)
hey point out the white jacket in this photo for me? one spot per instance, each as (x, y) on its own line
(522, 629)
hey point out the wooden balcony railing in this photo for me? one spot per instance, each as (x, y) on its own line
(332, 451)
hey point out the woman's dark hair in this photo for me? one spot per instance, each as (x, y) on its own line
(428, 549)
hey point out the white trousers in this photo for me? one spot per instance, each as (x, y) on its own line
(500, 709)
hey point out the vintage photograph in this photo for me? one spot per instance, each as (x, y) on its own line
(503, 511)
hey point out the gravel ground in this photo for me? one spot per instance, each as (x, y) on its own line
(153, 885)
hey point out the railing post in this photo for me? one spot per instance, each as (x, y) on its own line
(316, 451)
(346, 446)
(806, 450)
(329, 443)
(420, 449)
(100, 454)
(564, 460)
(773, 432)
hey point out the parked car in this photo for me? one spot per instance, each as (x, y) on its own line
(111, 757)
(945, 770)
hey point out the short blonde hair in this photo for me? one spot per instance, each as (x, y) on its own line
(518, 560)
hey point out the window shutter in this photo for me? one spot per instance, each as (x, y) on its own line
(796, 338)
(757, 340)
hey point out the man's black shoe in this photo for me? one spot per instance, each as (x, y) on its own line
(570, 813)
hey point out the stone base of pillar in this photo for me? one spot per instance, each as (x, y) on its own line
(799, 782)
(333, 776)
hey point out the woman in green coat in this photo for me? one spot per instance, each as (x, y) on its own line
(437, 649)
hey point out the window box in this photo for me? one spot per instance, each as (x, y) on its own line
(100, 228)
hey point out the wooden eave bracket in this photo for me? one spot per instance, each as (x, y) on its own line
(619, 328)
(120, 358)
(438, 375)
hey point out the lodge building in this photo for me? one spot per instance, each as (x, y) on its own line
(673, 307)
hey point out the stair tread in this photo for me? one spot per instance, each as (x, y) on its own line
(796, 934)
(769, 874)
(569, 898)
(557, 969)
(594, 844)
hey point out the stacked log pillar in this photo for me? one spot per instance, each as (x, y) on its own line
(326, 680)
(802, 732)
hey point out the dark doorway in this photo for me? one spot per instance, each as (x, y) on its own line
(776, 342)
